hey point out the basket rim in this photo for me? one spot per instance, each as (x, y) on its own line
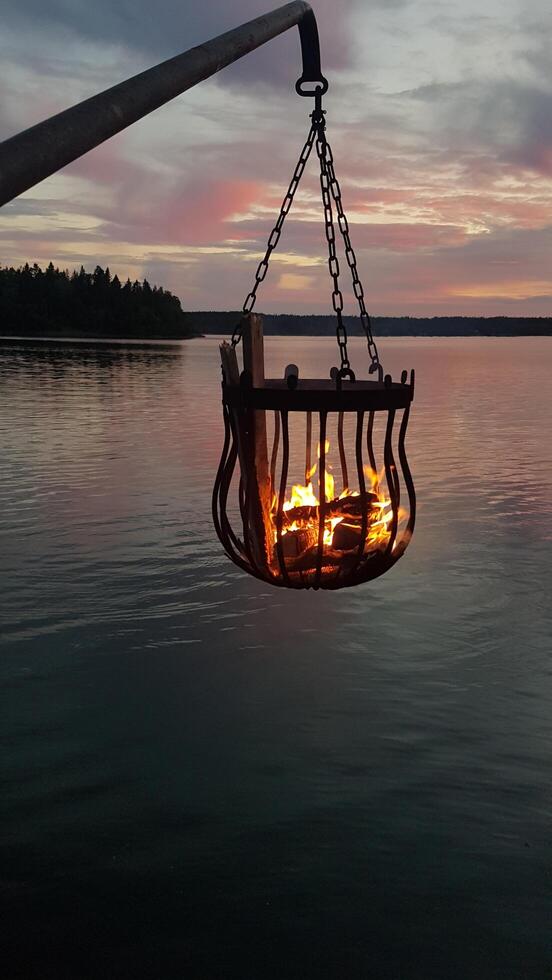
(319, 395)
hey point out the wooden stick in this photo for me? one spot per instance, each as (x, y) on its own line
(253, 348)
(229, 363)
(253, 364)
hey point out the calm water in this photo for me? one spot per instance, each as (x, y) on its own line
(209, 778)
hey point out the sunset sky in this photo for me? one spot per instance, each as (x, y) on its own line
(440, 117)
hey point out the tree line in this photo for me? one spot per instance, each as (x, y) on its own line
(54, 302)
(97, 304)
(383, 326)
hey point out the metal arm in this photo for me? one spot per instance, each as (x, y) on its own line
(37, 152)
(310, 51)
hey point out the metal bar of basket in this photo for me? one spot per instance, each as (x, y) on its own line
(365, 503)
(407, 475)
(282, 497)
(220, 472)
(231, 545)
(225, 487)
(394, 472)
(274, 455)
(322, 499)
(390, 479)
(308, 449)
(342, 454)
(370, 442)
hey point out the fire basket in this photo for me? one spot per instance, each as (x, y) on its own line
(313, 488)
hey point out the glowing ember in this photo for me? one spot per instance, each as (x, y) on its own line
(343, 516)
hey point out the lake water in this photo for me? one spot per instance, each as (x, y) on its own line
(206, 777)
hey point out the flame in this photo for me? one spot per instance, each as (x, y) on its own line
(303, 495)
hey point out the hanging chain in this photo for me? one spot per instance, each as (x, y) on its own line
(276, 231)
(351, 260)
(333, 262)
(330, 190)
(330, 185)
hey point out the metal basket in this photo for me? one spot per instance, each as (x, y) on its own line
(328, 543)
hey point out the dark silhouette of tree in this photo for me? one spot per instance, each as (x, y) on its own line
(90, 304)
(384, 326)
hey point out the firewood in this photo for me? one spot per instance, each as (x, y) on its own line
(346, 536)
(295, 542)
(305, 513)
(304, 562)
(350, 507)
(353, 505)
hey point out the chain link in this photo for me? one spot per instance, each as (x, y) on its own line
(333, 261)
(327, 164)
(274, 236)
(330, 188)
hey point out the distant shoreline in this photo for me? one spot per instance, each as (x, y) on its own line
(222, 324)
(389, 326)
(72, 339)
(30, 339)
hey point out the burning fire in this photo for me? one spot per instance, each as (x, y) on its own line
(302, 509)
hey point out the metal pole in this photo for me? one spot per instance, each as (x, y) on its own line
(37, 152)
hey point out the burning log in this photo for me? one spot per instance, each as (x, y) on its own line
(306, 513)
(353, 504)
(299, 540)
(350, 506)
(343, 534)
(346, 536)
(300, 527)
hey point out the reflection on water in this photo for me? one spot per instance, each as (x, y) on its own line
(209, 778)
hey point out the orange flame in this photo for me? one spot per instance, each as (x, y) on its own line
(303, 495)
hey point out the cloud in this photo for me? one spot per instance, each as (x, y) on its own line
(440, 125)
(165, 29)
(294, 282)
(510, 119)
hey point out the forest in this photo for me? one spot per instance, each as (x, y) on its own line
(54, 302)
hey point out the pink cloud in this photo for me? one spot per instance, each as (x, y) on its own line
(200, 213)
